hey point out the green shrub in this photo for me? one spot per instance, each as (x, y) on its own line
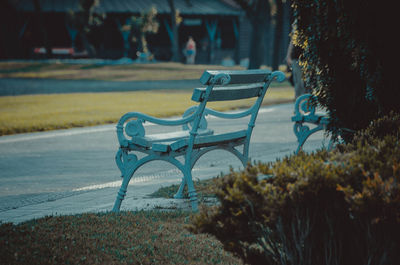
(339, 207)
(379, 128)
(347, 60)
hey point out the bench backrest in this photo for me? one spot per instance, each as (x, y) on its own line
(233, 85)
(229, 93)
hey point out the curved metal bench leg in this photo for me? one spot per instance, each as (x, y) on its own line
(187, 180)
(128, 164)
(124, 161)
(301, 141)
(179, 193)
(242, 157)
(302, 133)
(121, 194)
(190, 160)
(191, 191)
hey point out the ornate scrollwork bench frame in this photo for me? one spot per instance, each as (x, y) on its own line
(304, 115)
(195, 138)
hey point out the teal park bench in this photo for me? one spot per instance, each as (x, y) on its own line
(193, 138)
(305, 115)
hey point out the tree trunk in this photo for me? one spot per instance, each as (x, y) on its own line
(174, 42)
(88, 46)
(259, 16)
(276, 55)
(39, 16)
(92, 53)
(256, 46)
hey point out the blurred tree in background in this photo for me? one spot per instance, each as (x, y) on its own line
(176, 19)
(86, 21)
(261, 13)
(140, 27)
(39, 17)
(347, 60)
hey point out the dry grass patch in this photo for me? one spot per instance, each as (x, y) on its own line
(126, 238)
(109, 72)
(19, 114)
(205, 189)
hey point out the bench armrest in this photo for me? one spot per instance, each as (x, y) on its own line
(131, 124)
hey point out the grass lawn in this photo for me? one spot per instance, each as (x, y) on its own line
(151, 237)
(144, 237)
(109, 72)
(19, 114)
(31, 113)
(130, 72)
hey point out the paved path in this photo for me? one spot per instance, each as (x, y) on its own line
(26, 86)
(73, 171)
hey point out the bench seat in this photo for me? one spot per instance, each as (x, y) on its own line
(148, 141)
(206, 138)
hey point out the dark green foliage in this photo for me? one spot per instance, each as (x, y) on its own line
(87, 21)
(348, 59)
(339, 207)
(141, 26)
(379, 128)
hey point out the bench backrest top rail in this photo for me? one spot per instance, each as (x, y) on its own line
(221, 93)
(237, 76)
(232, 84)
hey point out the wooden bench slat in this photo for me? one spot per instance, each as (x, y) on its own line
(220, 138)
(228, 93)
(206, 140)
(238, 77)
(149, 140)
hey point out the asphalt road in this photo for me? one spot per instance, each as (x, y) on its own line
(26, 86)
(45, 166)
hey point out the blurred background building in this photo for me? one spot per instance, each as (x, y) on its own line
(220, 28)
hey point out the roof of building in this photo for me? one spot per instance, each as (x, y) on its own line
(185, 7)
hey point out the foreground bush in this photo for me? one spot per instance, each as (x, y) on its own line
(341, 207)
